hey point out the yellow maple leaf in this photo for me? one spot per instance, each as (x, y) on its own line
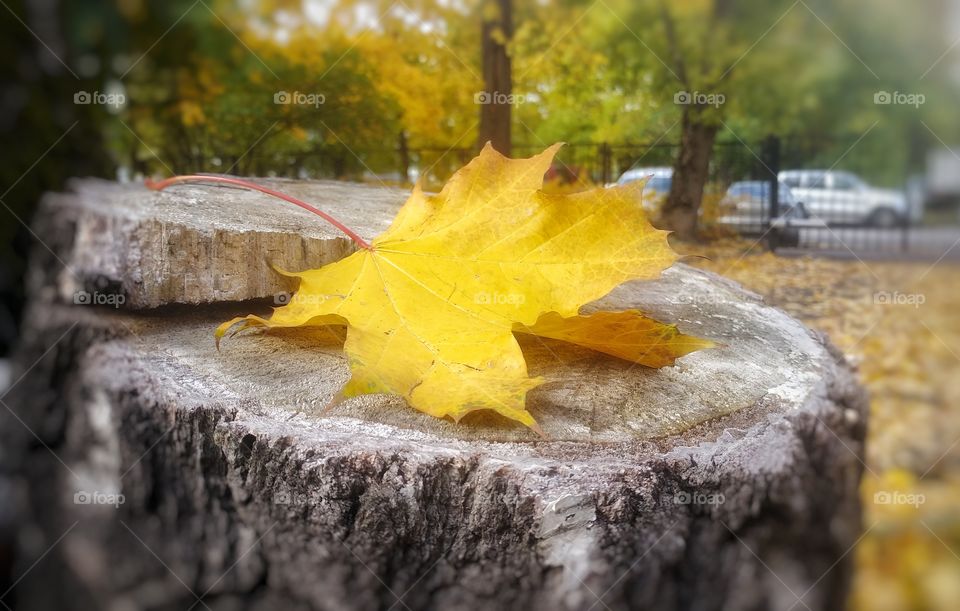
(432, 304)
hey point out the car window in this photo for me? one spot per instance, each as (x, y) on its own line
(759, 190)
(813, 180)
(843, 182)
(791, 180)
(659, 183)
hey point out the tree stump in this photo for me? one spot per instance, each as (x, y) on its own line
(149, 471)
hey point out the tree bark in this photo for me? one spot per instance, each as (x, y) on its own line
(691, 168)
(144, 469)
(690, 173)
(403, 150)
(497, 98)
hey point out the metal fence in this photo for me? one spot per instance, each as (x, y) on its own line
(788, 192)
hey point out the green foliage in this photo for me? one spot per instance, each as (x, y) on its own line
(200, 82)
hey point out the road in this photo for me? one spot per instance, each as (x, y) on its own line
(926, 243)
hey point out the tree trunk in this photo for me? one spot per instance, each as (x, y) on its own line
(143, 469)
(689, 176)
(496, 98)
(403, 149)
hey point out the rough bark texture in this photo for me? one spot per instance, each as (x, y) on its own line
(727, 482)
(496, 31)
(680, 212)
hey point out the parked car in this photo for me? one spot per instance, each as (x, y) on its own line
(842, 198)
(746, 208)
(656, 189)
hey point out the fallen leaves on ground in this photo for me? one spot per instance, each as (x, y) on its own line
(908, 356)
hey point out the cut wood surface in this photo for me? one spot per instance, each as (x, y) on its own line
(728, 481)
(200, 243)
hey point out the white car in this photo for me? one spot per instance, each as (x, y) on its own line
(656, 189)
(842, 198)
(746, 209)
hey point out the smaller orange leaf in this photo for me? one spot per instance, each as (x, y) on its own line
(627, 335)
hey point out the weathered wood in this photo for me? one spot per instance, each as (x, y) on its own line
(726, 482)
(196, 243)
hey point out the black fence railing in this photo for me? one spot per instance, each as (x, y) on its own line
(790, 193)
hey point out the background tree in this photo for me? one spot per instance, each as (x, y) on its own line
(496, 23)
(421, 62)
(700, 56)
